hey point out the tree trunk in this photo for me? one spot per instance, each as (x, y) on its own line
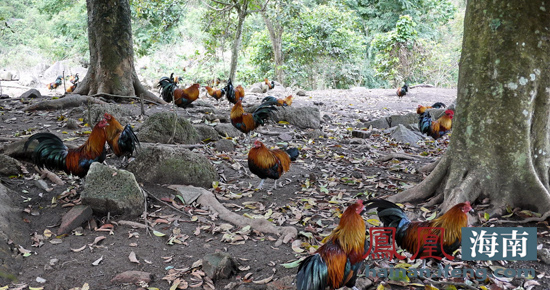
(112, 68)
(276, 36)
(242, 12)
(500, 139)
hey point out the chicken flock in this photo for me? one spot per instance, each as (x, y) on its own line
(340, 259)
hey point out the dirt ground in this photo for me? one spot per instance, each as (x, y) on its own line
(330, 173)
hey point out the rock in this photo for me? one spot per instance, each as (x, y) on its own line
(75, 217)
(72, 124)
(228, 130)
(285, 136)
(5, 75)
(206, 106)
(123, 114)
(301, 117)
(159, 163)
(9, 166)
(407, 119)
(361, 134)
(314, 134)
(207, 133)
(258, 88)
(160, 128)
(219, 266)
(111, 190)
(544, 255)
(12, 228)
(29, 80)
(55, 70)
(285, 283)
(363, 283)
(32, 93)
(381, 123)
(300, 92)
(403, 135)
(188, 193)
(224, 145)
(133, 277)
(4, 96)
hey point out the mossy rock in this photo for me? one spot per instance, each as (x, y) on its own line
(159, 128)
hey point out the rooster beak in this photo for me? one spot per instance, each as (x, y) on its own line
(472, 210)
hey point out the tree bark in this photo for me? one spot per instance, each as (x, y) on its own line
(242, 11)
(276, 36)
(500, 143)
(112, 68)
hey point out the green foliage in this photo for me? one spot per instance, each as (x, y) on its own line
(321, 48)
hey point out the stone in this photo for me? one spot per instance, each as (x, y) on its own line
(301, 117)
(407, 119)
(159, 127)
(72, 124)
(314, 134)
(228, 130)
(285, 283)
(32, 93)
(112, 190)
(381, 123)
(544, 255)
(158, 163)
(300, 92)
(285, 136)
(5, 75)
(207, 133)
(123, 114)
(361, 134)
(133, 277)
(9, 166)
(75, 217)
(219, 266)
(403, 135)
(224, 145)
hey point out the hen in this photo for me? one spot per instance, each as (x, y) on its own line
(53, 154)
(266, 163)
(122, 140)
(280, 102)
(407, 231)
(337, 262)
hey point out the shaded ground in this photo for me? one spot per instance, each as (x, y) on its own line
(330, 173)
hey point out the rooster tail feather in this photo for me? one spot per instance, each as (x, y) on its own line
(312, 273)
(262, 112)
(269, 99)
(50, 151)
(424, 123)
(293, 153)
(128, 139)
(167, 87)
(438, 105)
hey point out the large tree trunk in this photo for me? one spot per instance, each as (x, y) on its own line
(242, 12)
(500, 142)
(111, 52)
(276, 36)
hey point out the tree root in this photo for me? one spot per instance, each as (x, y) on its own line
(428, 167)
(113, 97)
(428, 186)
(527, 220)
(69, 101)
(397, 156)
(208, 199)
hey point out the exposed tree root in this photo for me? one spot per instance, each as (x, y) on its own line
(527, 220)
(397, 156)
(428, 167)
(69, 101)
(158, 101)
(428, 186)
(208, 199)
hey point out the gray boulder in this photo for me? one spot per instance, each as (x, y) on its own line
(9, 166)
(227, 129)
(207, 133)
(407, 119)
(219, 266)
(173, 165)
(111, 190)
(123, 114)
(381, 123)
(403, 135)
(224, 145)
(301, 117)
(32, 93)
(160, 128)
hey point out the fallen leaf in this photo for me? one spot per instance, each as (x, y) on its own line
(132, 257)
(96, 262)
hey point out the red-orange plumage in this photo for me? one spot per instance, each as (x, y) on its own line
(270, 84)
(122, 140)
(93, 148)
(184, 97)
(271, 162)
(239, 92)
(216, 94)
(346, 244)
(452, 222)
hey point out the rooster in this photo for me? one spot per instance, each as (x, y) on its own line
(437, 128)
(53, 154)
(216, 94)
(337, 262)
(73, 80)
(280, 102)
(403, 90)
(246, 122)
(233, 94)
(421, 109)
(270, 84)
(122, 140)
(182, 97)
(58, 81)
(406, 233)
(266, 163)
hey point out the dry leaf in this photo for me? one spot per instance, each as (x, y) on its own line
(132, 257)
